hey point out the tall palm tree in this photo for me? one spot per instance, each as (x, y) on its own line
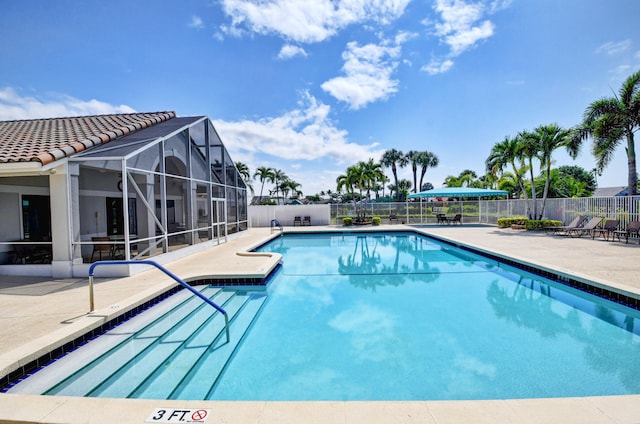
(294, 186)
(403, 188)
(392, 159)
(426, 160)
(371, 173)
(243, 170)
(549, 138)
(278, 178)
(504, 154)
(413, 156)
(349, 180)
(610, 120)
(264, 174)
(528, 150)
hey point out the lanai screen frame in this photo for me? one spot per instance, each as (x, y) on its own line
(185, 158)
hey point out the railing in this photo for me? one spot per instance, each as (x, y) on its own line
(166, 271)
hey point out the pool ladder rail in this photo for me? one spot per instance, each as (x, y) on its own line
(276, 225)
(168, 273)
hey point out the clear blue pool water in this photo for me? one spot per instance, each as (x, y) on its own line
(399, 316)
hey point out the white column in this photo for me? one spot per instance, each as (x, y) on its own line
(62, 215)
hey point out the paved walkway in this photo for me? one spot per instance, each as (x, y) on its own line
(38, 314)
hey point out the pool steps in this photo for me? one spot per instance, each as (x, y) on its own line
(165, 333)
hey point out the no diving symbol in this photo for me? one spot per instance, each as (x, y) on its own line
(199, 415)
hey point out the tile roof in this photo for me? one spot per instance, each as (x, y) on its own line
(48, 140)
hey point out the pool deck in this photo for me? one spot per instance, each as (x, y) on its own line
(37, 314)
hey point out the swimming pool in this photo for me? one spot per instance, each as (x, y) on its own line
(391, 317)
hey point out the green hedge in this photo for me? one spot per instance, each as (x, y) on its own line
(542, 223)
(508, 222)
(347, 220)
(529, 224)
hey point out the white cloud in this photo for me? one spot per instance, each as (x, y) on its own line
(306, 133)
(368, 71)
(308, 21)
(14, 106)
(196, 22)
(289, 51)
(437, 66)
(613, 48)
(461, 25)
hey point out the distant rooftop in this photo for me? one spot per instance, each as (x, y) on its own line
(48, 140)
(610, 191)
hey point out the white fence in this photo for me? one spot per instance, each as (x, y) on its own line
(473, 212)
(261, 216)
(623, 208)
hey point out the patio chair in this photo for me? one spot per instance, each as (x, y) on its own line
(101, 248)
(457, 219)
(576, 223)
(297, 221)
(586, 229)
(441, 218)
(393, 217)
(633, 229)
(610, 225)
(306, 220)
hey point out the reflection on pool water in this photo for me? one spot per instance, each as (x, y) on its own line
(391, 316)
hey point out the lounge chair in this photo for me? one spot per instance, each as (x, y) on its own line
(456, 219)
(633, 229)
(306, 220)
(576, 223)
(610, 225)
(297, 221)
(586, 229)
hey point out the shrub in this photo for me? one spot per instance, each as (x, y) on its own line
(375, 220)
(508, 222)
(539, 224)
(347, 220)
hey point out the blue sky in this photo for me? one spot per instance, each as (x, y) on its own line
(312, 87)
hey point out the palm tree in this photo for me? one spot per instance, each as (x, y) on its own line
(610, 120)
(452, 181)
(508, 181)
(243, 170)
(413, 156)
(265, 174)
(502, 155)
(371, 173)
(294, 186)
(278, 177)
(350, 180)
(393, 158)
(426, 160)
(528, 149)
(549, 138)
(404, 186)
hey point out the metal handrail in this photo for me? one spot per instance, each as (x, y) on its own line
(166, 271)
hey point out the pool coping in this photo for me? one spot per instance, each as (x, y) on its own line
(606, 409)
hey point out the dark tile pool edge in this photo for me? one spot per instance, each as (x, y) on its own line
(578, 283)
(9, 380)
